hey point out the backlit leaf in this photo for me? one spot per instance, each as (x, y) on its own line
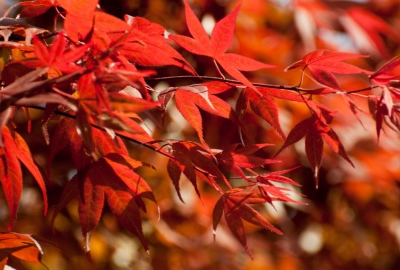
(323, 64)
(20, 246)
(216, 47)
(265, 107)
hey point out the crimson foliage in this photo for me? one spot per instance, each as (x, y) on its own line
(92, 78)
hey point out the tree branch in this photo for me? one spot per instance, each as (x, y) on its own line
(219, 79)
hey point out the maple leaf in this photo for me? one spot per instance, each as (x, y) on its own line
(14, 151)
(127, 77)
(103, 25)
(216, 47)
(264, 106)
(278, 93)
(315, 131)
(190, 98)
(234, 206)
(191, 160)
(235, 158)
(78, 22)
(57, 57)
(181, 164)
(135, 131)
(99, 142)
(36, 8)
(217, 87)
(277, 177)
(367, 31)
(270, 192)
(385, 108)
(110, 111)
(144, 44)
(186, 106)
(18, 246)
(111, 179)
(323, 64)
(388, 72)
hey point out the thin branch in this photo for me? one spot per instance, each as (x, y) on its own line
(362, 89)
(210, 78)
(219, 79)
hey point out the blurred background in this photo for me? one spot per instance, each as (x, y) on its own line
(352, 221)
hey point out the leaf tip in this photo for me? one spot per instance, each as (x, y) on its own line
(11, 224)
(158, 213)
(316, 172)
(249, 252)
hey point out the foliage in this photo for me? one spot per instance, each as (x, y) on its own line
(99, 82)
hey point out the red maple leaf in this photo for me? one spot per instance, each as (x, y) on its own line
(190, 98)
(216, 47)
(18, 246)
(14, 152)
(36, 8)
(388, 72)
(385, 107)
(78, 22)
(264, 106)
(144, 44)
(323, 64)
(315, 131)
(110, 179)
(191, 160)
(57, 56)
(277, 177)
(234, 206)
(236, 158)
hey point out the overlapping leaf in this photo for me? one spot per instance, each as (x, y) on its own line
(388, 72)
(66, 134)
(264, 106)
(79, 19)
(110, 179)
(145, 45)
(189, 98)
(57, 56)
(36, 8)
(192, 159)
(323, 64)
(18, 246)
(236, 158)
(14, 151)
(277, 177)
(385, 108)
(234, 206)
(315, 132)
(216, 47)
